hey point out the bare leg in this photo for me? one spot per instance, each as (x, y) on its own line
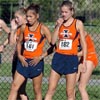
(78, 73)
(70, 85)
(37, 82)
(78, 77)
(23, 97)
(53, 81)
(18, 80)
(84, 80)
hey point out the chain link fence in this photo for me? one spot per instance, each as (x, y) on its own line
(87, 9)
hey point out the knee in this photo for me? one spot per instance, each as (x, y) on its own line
(81, 87)
(14, 87)
(70, 93)
(37, 89)
(51, 91)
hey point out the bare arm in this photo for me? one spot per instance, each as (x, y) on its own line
(56, 30)
(19, 47)
(46, 32)
(80, 53)
(13, 35)
(80, 28)
(19, 42)
(4, 26)
(3, 45)
(5, 42)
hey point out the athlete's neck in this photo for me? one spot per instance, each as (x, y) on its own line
(33, 26)
(68, 21)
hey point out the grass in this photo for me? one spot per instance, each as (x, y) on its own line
(5, 71)
(60, 93)
(93, 92)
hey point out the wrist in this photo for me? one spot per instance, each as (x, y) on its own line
(19, 55)
(41, 57)
(12, 30)
(57, 26)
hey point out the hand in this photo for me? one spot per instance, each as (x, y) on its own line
(35, 61)
(22, 60)
(13, 24)
(59, 22)
(84, 67)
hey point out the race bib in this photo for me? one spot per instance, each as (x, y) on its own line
(30, 45)
(65, 44)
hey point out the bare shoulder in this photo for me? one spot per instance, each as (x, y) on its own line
(79, 23)
(44, 28)
(2, 22)
(22, 27)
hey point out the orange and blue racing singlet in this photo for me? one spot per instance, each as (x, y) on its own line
(68, 39)
(90, 44)
(33, 42)
(91, 52)
(18, 31)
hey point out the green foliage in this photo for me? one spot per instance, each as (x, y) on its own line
(3, 69)
(13, 1)
(50, 9)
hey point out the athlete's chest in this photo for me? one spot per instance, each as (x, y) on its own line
(32, 36)
(67, 33)
(66, 37)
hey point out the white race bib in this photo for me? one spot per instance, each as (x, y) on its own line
(30, 45)
(65, 44)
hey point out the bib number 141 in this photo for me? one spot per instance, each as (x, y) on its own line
(30, 45)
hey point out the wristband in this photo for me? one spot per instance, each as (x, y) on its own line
(51, 49)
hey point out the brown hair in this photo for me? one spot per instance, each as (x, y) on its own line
(68, 3)
(34, 7)
(21, 11)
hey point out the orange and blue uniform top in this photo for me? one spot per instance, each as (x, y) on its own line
(91, 52)
(90, 45)
(18, 31)
(33, 42)
(68, 39)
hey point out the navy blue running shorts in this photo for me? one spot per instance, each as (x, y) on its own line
(65, 64)
(30, 71)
